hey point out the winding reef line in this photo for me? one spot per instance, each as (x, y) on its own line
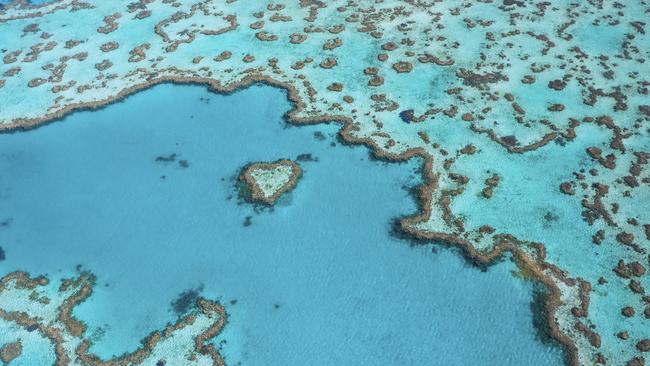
(69, 328)
(506, 244)
(507, 89)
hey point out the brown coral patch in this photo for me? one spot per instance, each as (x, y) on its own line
(297, 38)
(255, 193)
(328, 63)
(223, 56)
(403, 67)
(11, 351)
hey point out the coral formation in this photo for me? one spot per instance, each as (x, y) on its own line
(550, 94)
(266, 182)
(40, 305)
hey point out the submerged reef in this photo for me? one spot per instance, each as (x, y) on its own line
(267, 182)
(11, 351)
(44, 307)
(518, 109)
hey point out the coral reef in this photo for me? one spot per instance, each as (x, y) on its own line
(40, 305)
(553, 97)
(266, 182)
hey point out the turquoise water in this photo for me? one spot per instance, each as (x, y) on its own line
(317, 280)
(37, 350)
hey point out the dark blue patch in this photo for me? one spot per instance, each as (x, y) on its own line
(510, 140)
(407, 116)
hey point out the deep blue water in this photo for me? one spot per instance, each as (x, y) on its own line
(319, 280)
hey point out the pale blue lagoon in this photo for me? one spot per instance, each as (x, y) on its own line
(320, 279)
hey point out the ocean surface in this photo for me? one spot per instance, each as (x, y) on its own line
(320, 279)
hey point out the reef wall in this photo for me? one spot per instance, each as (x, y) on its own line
(532, 117)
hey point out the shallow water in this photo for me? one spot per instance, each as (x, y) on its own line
(317, 280)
